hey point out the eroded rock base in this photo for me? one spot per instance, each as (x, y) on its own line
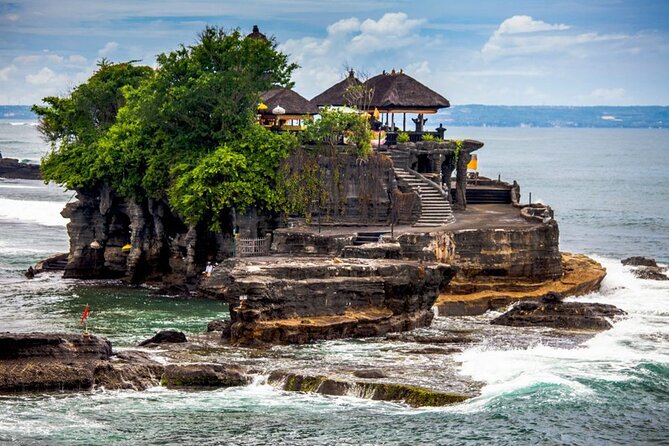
(286, 300)
(469, 297)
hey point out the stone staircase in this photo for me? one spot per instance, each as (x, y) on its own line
(435, 208)
(362, 238)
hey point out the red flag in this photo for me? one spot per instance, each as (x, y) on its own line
(84, 316)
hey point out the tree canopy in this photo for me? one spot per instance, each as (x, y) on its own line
(184, 131)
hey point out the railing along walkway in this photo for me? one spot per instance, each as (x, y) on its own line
(248, 247)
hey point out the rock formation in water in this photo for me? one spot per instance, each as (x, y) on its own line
(297, 300)
(468, 296)
(551, 311)
(646, 268)
(57, 361)
(12, 168)
(165, 337)
(412, 395)
(49, 361)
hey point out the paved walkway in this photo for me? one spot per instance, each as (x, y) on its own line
(477, 216)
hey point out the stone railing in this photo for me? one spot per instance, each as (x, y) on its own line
(248, 247)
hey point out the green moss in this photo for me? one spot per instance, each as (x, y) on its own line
(297, 383)
(412, 395)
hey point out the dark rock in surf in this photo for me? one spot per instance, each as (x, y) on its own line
(165, 337)
(174, 290)
(554, 313)
(204, 375)
(650, 273)
(412, 395)
(62, 346)
(220, 325)
(12, 168)
(50, 361)
(639, 261)
(369, 374)
(646, 268)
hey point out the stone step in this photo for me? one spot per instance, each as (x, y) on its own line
(435, 208)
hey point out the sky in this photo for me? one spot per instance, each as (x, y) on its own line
(524, 52)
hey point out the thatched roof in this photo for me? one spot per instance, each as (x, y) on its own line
(256, 34)
(335, 95)
(397, 91)
(292, 102)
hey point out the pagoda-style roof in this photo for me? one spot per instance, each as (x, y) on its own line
(336, 95)
(256, 34)
(293, 103)
(397, 92)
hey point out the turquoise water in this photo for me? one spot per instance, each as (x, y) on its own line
(610, 192)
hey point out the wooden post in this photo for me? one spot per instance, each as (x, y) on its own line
(404, 122)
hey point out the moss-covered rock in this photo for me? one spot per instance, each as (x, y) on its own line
(412, 395)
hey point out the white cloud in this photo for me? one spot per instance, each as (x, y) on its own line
(44, 76)
(344, 26)
(609, 94)
(12, 17)
(522, 36)
(77, 59)
(394, 28)
(109, 48)
(363, 44)
(419, 69)
(6, 72)
(525, 24)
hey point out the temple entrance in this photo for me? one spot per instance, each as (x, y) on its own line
(424, 164)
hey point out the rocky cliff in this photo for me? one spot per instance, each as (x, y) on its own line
(293, 300)
(115, 238)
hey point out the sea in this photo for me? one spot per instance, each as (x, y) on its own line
(610, 192)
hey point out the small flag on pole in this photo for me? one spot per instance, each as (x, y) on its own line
(84, 316)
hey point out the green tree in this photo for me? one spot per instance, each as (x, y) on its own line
(239, 174)
(74, 125)
(335, 124)
(184, 132)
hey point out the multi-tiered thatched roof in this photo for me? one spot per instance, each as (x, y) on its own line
(397, 92)
(294, 105)
(336, 95)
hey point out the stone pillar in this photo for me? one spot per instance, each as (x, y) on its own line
(447, 167)
(461, 180)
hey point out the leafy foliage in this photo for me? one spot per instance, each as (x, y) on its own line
(185, 131)
(403, 137)
(336, 125)
(75, 124)
(241, 173)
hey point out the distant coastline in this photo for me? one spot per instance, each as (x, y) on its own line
(477, 115)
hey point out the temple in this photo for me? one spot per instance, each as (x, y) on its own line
(380, 240)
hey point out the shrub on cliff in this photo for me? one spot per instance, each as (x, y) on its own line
(184, 131)
(336, 126)
(74, 125)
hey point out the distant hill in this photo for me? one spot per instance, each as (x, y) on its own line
(553, 116)
(16, 112)
(506, 116)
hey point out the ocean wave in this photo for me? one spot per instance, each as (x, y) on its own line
(610, 356)
(46, 213)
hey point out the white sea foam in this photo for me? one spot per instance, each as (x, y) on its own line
(640, 337)
(45, 213)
